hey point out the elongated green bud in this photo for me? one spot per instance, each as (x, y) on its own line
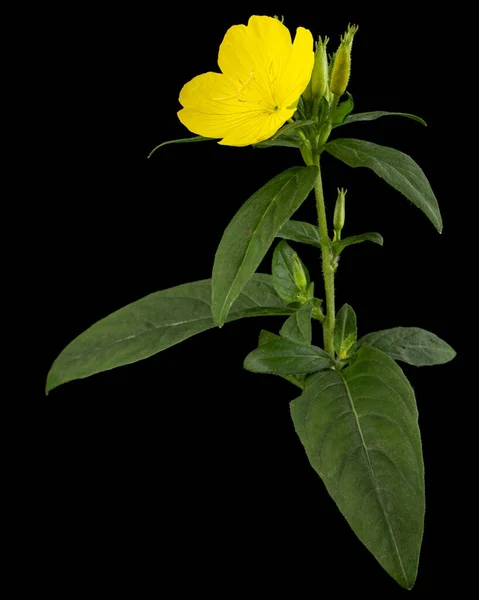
(318, 85)
(319, 78)
(342, 63)
(339, 214)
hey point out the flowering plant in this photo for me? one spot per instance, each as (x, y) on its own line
(356, 413)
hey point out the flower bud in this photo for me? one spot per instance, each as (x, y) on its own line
(339, 213)
(319, 77)
(318, 84)
(342, 63)
(300, 277)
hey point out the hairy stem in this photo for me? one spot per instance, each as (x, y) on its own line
(328, 271)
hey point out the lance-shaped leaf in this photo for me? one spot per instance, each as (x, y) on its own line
(395, 167)
(339, 246)
(267, 336)
(297, 327)
(372, 116)
(252, 231)
(154, 323)
(196, 138)
(283, 357)
(290, 275)
(411, 345)
(300, 231)
(345, 331)
(360, 431)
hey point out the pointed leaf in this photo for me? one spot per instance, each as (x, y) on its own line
(196, 138)
(339, 246)
(345, 331)
(297, 327)
(155, 323)
(282, 357)
(265, 337)
(291, 127)
(342, 111)
(360, 431)
(290, 275)
(300, 231)
(287, 140)
(395, 167)
(251, 232)
(411, 345)
(372, 116)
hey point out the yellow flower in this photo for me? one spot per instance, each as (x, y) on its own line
(263, 75)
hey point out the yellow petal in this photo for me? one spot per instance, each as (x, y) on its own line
(234, 59)
(297, 72)
(211, 93)
(273, 42)
(252, 57)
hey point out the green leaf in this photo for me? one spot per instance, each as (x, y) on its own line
(411, 345)
(155, 323)
(297, 327)
(360, 432)
(395, 167)
(288, 140)
(283, 357)
(339, 246)
(300, 231)
(342, 111)
(251, 232)
(372, 116)
(196, 138)
(267, 336)
(291, 127)
(290, 276)
(345, 331)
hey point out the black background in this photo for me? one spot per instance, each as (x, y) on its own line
(183, 472)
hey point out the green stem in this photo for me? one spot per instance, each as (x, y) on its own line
(328, 271)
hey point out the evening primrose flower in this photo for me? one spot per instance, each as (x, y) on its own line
(263, 74)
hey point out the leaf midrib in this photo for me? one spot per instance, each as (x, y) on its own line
(373, 476)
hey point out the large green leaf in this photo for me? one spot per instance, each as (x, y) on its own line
(345, 331)
(300, 231)
(339, 246)
(297, 327)
(252, 231)
(411, 345)
(372, 116)
(395, 167)
(155, 323)
(196, 138)
(360, 431)
(283, 357)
